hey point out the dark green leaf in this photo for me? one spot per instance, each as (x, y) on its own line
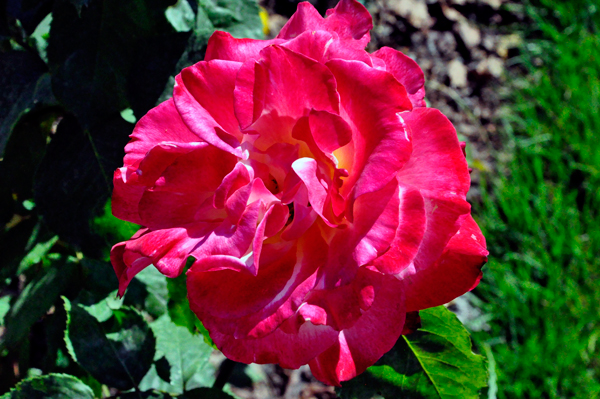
(29, 12)
(187, 355)
(118, 352)
(51, 386)
(436, 361)
(154, 61)
(163, 369)
(79, 4)
(22, 155)
(102, 55)
(99, 281)
(37, 297)
(23, 85)
(13, 244)
(74, 179)
(179, 309)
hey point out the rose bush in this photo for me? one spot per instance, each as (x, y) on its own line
(324, 205)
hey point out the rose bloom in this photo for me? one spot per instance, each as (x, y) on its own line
(323, 203)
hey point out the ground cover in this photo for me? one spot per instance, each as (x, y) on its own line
(540, 213)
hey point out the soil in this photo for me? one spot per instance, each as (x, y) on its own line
(467, 50)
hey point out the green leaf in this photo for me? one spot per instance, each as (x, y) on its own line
(187, 355)
(51, 386)
(118, 352)
(179, 309)
(37, 297)
(436, 361)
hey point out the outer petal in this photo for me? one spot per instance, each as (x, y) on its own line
(457, 271)
(288, 350)
(162, 123)
(126, 197)
(406, 70)
(349, 19)
(223, 46)
(372, 335)
(323, 46)
(438, 169)
(211, 84)
(197, 118)
(166, 249)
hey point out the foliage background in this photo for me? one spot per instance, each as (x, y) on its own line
(75, 75)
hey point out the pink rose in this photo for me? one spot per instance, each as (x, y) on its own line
(322, 201)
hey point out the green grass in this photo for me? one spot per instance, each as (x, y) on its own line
(540, 212)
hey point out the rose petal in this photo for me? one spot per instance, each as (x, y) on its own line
(372, 335)
(223, 46)
(457, 271)
(162, 123)
(380, 142)
(369, 236)
(438, 169)
(166, 249)
(406, 71)
(282, 83)
(307, 170)
(411, 228)
(197, 118)
(283, 267)
(184, 192)
(323, 46)
(211, 83)
(125, 198)
(349, 19)
(236, 179)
